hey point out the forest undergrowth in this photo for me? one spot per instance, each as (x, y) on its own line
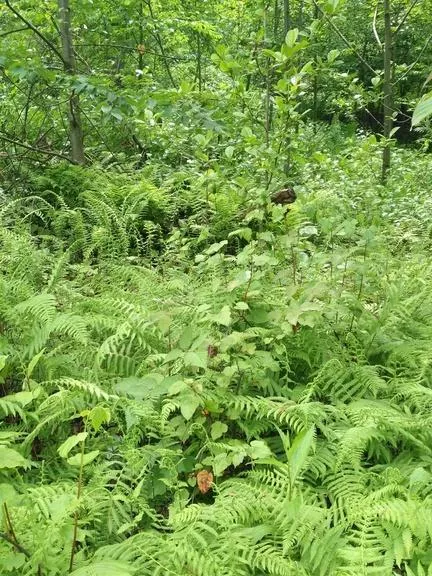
(205, 383)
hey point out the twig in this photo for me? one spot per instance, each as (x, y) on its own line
(15, 544)
(415, 62)
(34, 29)
(34, 149)
(375, 29)
(3, 34)
(407, 13)
(342, 37)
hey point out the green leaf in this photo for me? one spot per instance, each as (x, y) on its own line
(291, 37)
(218, 429)
(214, 248)
(223, 317)
(149, 386)
(33, 362)
(173, 355)
(105, 568)
(10, 458)
(188, 406)
(221, 463)
(423, 110)
(259, 449)
(299, 452)
(229, 151)
(99, 415)
(70, 443)
(3, 360)
(195, 359)
(86, 458)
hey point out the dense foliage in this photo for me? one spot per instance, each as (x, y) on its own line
(195, 379)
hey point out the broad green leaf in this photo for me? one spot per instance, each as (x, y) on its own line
(229, 151)
(173, 355)
(149, 386)
(221, 463)
(291, 37)
(423, 110)
(259, 449)
(105, 568)
(86, 458)
(70, 443)
(195, 359)
(214, 248)
(10, 458)
(188, 405)
(218, 429)
(223, 317)
(299, 452)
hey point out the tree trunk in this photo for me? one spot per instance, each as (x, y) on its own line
(287, 16)
(74, 115)
(387, 89)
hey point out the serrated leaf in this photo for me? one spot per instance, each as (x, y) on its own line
(99, 415)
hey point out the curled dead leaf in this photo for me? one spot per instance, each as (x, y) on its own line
(204, 481)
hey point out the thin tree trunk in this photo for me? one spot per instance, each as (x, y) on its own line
(287, 16)
(74, 116)
(387, 89)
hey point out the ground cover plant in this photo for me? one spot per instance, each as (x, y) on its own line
(215, 303)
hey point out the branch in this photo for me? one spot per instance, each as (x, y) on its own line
(375, 29)
(15, 544)
(342, 37)
(415, 62)
(3, 34)
(407, 13)
(34, 149)
(34, 29)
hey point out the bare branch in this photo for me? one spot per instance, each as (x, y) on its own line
(3, 34)
(375, 29)
(34, 29)
(34, 149)
(15, 544)
(342, 37)
(407, 13)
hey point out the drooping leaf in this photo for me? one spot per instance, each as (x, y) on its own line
(299, 451)
(70, 443)
(86, 458)
(423, 110)
(10, 458)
